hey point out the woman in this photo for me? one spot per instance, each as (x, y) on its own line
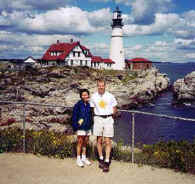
(82, 123)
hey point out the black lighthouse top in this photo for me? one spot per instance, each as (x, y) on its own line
(117, 19)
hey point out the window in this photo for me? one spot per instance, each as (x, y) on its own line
(73, 54)
(78, 54)
(81, 62)
(86, 63)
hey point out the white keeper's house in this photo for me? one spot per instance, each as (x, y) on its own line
(73, 54)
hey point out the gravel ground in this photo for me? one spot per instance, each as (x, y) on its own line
(20, 168)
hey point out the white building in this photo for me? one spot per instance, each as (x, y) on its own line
(116, 47)
(74, 54)
(30, 60)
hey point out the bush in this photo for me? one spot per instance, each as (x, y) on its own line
(175, 155)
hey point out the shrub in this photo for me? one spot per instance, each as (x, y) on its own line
(179, 156)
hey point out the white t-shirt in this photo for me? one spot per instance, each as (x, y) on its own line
(103, 104)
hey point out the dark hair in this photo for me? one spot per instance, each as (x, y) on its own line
(82, 91)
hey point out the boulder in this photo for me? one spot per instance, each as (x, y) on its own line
(184, 89)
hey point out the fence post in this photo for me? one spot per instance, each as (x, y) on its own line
(133, 137)
(24, 130)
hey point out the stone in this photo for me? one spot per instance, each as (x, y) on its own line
(59, 86)
(184, 89)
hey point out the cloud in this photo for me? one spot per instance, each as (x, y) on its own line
(137, 47)
(189, 17)
(143, 12)
(186, 30)
(11, 5)
(190, 56)
(21, 45)
(100, 19)
(164, 23)
(29, 33)
(30, 27)
(161, 44)
(70, 20)
(185, 44)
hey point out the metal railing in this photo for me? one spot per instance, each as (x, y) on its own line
(133, 112)
(132, 119)
(23, 118)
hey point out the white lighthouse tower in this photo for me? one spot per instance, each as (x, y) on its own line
(116, 47)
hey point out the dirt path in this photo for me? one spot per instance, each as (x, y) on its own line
(30, 169)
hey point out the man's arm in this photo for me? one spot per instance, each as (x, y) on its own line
(114, 110)
(114, 115)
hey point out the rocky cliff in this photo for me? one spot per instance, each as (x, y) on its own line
(61, 85)
(184, 89)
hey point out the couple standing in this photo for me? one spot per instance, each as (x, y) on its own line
(103, 107)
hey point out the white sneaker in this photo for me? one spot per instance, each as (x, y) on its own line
(80, 163)
(86, 161)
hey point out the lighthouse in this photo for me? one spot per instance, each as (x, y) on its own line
(116, 47)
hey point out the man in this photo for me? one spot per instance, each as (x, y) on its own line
(104, 104)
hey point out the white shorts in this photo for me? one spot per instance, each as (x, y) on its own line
(83, 132)
(103, 126)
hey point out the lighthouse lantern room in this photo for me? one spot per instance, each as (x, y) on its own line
(116, 46)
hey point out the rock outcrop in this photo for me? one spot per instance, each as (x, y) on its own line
(60, 86)
(184, 89)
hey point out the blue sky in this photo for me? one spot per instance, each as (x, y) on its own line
(159, 30)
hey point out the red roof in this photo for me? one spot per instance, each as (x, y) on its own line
(96, 59)
(64, 48)
(138, 60)
(108, 61)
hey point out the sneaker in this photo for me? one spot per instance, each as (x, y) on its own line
(101, 164)
(106, 167)
(80, 163)
(86, 161)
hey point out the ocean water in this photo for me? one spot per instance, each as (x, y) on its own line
(151, 129)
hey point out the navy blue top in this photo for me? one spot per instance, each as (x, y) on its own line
(81, 111)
